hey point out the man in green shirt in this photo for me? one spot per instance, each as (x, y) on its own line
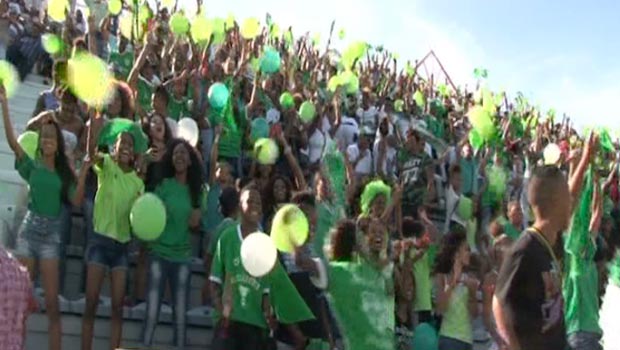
(581, 279)
(240, 300)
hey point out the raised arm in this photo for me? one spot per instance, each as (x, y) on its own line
(8, 126)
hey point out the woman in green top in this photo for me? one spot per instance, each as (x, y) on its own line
(52, 184)
(118, 186)
(456, 293)
(180, 190)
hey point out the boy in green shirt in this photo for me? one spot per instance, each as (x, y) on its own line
(242, 322)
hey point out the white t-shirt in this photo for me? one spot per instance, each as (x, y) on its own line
(389, 162)
(368, 118)
(364, 166)
(452, 215)
(316, 146)
(347, 132)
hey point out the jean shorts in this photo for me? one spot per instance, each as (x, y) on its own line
(107, 252)
(39, 237)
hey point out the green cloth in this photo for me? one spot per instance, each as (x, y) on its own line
(456, 322)
(211, 216)
(116, 193)
(45, 187)
(581, 278)
(423, 285)
(247, 291)
(174, 243)
(363, 301)
(217, 233)
(469, 176)
(123, 62)
(145, 94)
(288, 305)
(413, 173)
(232, 129)
(177, 109)
(511, 231)
(327, 216)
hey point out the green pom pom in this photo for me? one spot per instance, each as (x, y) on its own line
(371, 191)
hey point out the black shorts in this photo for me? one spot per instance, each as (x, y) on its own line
(241, 336)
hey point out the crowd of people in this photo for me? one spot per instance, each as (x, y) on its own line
(429, 206)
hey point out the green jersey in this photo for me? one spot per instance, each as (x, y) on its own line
(413, 174)
(174, 243)
(247, 291)
(45, 185)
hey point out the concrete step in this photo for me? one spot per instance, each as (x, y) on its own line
(197, 337)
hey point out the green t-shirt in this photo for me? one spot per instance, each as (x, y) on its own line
(247, 291)
(116, 193)
(177, 108)
(217, 233)
(45, 185)
(413, 173)
(363, 303)
(580, 284)
(123, 62)
(232, 128)
(456, 322)
(511, 231)
(469, 176)
(174, 243)
(423, 285)
(145, 94)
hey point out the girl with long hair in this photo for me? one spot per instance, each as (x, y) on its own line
(180, 189)
(456, 293)
(52, 183)
(118, 187)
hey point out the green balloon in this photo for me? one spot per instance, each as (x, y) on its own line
(148, 217)
(475, 139)
(260, 129)
(425, 338)
(289, 228)
(419, 98)
(51, 43)
(179, 24)
(266, 151)
(218, 95)
(287, 101)
(29, 141)
(9, 78)
(465, 208)
(270, 61)
(115, 7)
(307, 112)
(398, 105)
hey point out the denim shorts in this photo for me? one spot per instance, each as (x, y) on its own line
(39, 237)
(107, 252)
(584, 341)
(446, 343)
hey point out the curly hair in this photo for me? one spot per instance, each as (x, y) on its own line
(124, 92)
(194, 171)
(146, 127)
(450, 245)
(268, 198)
(343, 240)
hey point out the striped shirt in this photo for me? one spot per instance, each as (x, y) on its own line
(16, 301)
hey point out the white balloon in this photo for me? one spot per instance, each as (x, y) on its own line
(552, 154)
(173, 126)
(258, 254)
(188, 131)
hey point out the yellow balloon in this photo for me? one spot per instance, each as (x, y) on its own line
(9, 78)
(168, 3)
(201, 29)
(90, 80)
(56, 9)
(128, 25)
(230, 21)
(250, 28)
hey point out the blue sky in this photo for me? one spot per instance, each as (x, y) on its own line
(561, 54)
